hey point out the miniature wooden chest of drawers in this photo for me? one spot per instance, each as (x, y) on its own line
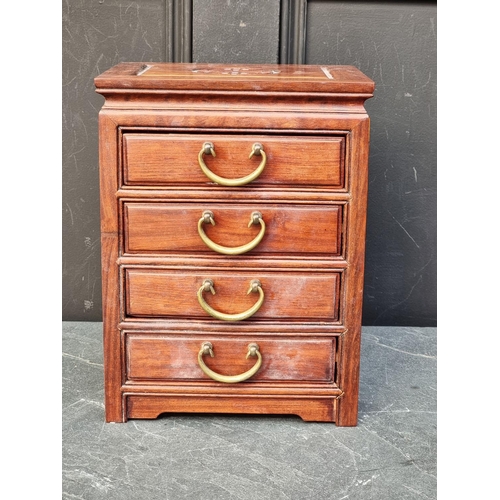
(233, 212)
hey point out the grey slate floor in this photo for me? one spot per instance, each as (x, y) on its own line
(390, 455)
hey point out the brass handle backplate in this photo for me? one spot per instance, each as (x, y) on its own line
(207, 348)
(208, 285)
(209, 148)
(208, 217)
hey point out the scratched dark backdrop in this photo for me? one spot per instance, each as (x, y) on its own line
(394, 43)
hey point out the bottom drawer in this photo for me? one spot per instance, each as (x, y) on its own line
(173, 358)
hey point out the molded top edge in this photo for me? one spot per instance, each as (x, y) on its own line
(235, 77)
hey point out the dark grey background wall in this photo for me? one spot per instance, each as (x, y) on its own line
(394, 43)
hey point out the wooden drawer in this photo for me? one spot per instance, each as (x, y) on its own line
(174, 358)
(164, 228)
(172, 160)
(288, 296)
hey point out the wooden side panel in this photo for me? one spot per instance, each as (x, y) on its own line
(172, 159)
(355, 248)
(109, 269)
(288, 295)
(160, 357)
(111, 337)
(173, 227)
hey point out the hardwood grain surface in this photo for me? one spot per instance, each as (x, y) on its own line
(167, 358)
(172, 159)
(173, 227)
(261, 77)
(288, 295)
(158, 251)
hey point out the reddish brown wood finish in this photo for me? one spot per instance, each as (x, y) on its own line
(288, 296)
(312, 194)
(168, 159)
(173, 227)
(166, 358)
(133, 76)
(310, 409)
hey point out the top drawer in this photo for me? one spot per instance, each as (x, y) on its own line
(289, 161)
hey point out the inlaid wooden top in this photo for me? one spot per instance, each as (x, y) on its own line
(236, 77)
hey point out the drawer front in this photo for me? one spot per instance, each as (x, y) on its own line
(172, 159)
(286, 295)
(173, 228)
(163, 357)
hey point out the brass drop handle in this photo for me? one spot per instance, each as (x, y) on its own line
(208, 285)
(208, 217)
(207, 348)
(209, 148)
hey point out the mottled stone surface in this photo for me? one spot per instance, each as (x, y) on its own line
(390, 455)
